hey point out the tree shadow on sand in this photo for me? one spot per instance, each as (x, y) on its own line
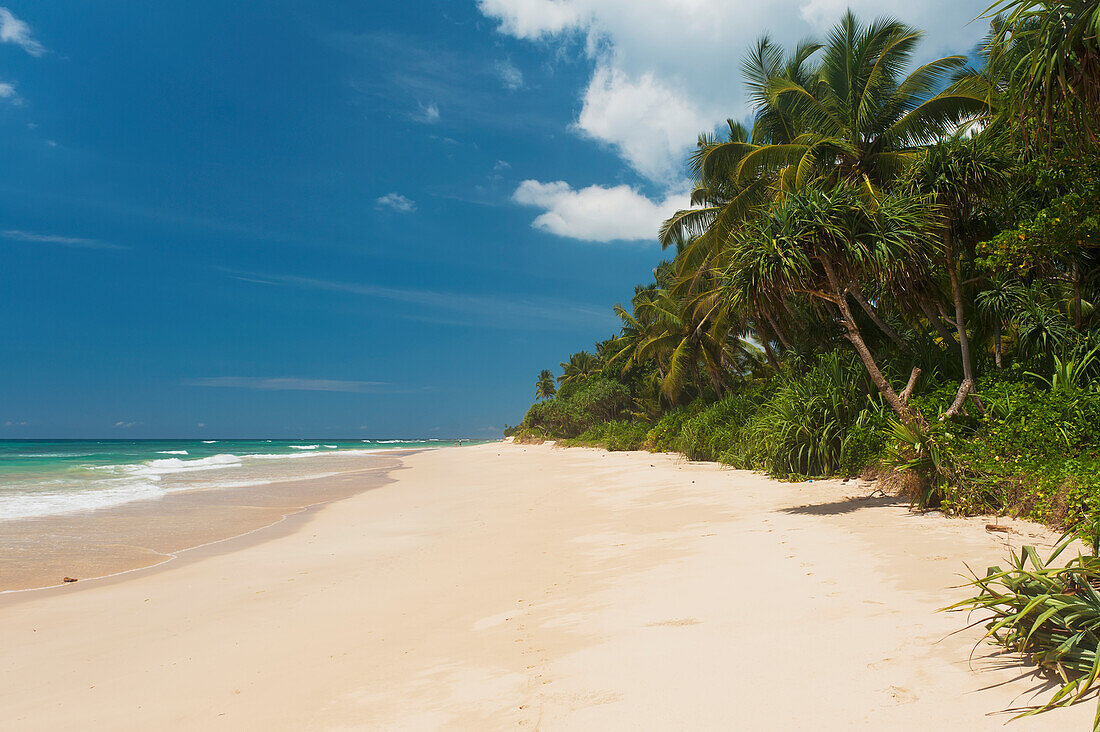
(847, 505)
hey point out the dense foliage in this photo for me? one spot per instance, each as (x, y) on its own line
(885, 274)
(893, 272)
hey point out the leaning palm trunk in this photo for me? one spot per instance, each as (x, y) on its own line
(777, 330)
(872, 313)
(898, 402)
(936, 323)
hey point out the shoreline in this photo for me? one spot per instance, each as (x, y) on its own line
(504, 586)
(141, 535)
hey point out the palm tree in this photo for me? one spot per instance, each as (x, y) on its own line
(823, 243)
(1051, 56)
(545, 388)
(853, 117)
(578, 368)
(997, 304)
(1041, 329)
(685, 346)
(955, 175)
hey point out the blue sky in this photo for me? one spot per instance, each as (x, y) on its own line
(345, 218)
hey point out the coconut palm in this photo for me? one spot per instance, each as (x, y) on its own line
(853, 117)
(685, 347)
(579, 367)
(545, 388)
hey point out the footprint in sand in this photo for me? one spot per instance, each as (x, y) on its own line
(898, 695)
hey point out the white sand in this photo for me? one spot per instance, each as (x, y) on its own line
(503, 587)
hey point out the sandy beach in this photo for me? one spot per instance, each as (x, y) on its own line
(505, 586)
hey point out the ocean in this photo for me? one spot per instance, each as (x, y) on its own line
(50, 477)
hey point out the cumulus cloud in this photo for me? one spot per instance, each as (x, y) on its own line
(643, 118)
(397, 202)
(13, 30)
(596, 213)
(666, 70)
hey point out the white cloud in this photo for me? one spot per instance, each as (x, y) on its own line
(666, 70)
(266, 383)
(8, 92)
(13, 30)
(509, 74)
(429, 114)
(397, 202)
(124, 425)
(643, 118)
(596, 213)
(532, 19)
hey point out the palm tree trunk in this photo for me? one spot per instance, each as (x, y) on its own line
(764, 342)
(1076, 296)
(872, 313)
(968, 385)
(892, 398)
(778, 331)
(997, 343)
(937, 324)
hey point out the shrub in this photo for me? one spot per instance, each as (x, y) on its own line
(1051, 613)
(716, 430)
(602, 400)
(806, 427)
(555, 417)
(1034, 453)
(626, 435)
(614, 436)
(665, 435)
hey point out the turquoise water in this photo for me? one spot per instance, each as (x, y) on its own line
(41, 478)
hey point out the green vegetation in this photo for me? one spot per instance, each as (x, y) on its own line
(892, 272)
(1050, 611)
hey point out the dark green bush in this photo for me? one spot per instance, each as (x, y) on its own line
(601, 400)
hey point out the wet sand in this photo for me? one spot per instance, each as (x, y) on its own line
(41, 552)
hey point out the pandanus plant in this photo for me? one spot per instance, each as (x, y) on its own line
(1050, 611)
